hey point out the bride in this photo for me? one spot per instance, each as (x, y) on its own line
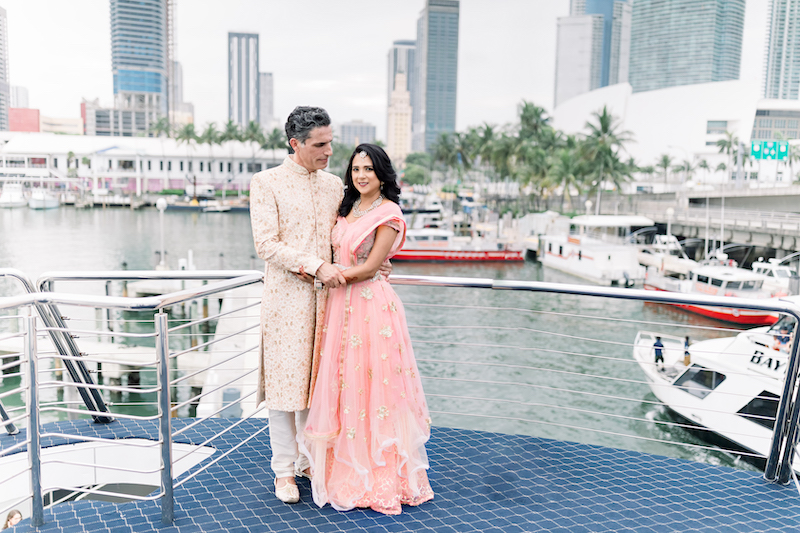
(368, 420)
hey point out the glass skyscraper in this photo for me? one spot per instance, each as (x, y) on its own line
(682, 42)
(436, 71)
(139, 53)
(5, 88)
(243, 78)
(402, 60)
(782, 68)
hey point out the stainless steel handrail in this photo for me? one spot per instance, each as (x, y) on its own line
(778, 467)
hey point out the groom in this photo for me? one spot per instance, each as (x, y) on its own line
(293, 210)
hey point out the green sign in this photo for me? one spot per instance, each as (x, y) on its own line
(769, 149)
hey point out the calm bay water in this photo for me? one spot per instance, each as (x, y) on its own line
(462, 336)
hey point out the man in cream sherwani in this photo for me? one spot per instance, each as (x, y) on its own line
(293, 210)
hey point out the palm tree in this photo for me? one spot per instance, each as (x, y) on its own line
(255, 136)
(602, 146)
(276, 140)
(532, 120)
(664, 162)
(161, 127)
(445, 150)
(685, 167)
(211, 136)
(793, 157)
(722, 167)
(188, 135)
(728, 146)
(703, 165)
(567, 171)
(648, 171)
(231, 133)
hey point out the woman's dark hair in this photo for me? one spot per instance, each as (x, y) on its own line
(383, 169)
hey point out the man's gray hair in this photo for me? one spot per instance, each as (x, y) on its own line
(304, 119)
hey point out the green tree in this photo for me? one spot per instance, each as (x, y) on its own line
(728, 146)
(703, 165)
(416, 175)
(568, 171)
(211, 136)
(187, 135)
(232, 134)
(533, 120)
(602, 146)
(337, 163)
(275, 140)
(255, 136)
(422, 159)
(161, 127)
(664, 163)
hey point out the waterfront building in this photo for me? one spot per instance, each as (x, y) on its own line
(782, 68)
(592, 47)
(181, 112)
(130, 165)
(23, 119)
(139, 62)
(398, 123)
(401, 58)
(266, 101)
(356, 132)
(64, 126)
(684, 42)
(5, 89)
(436, 60)
(19, 96)
(243, 78)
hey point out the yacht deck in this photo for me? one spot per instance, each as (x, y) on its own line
(483, 482)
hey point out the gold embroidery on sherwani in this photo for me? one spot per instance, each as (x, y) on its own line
(292, 214)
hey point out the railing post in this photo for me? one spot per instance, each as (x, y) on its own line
(165, 421)
(786, 419)
(34, 449)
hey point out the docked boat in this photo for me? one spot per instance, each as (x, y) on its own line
(433, 244)
(777, 276)
(730, 386)
(596, 249)
(43, 199)
(666, 254)
(718, 277)
(13, 195)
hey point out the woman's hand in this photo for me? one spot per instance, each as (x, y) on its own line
(302, 276)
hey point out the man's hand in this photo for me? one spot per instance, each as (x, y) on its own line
(385, 269)
(330, 276)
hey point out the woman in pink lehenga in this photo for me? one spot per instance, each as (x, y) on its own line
(368, 420)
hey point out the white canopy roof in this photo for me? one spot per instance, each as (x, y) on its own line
(611, 221)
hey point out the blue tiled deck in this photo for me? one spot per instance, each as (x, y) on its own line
(483, 482)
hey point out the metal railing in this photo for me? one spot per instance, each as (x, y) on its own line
(452, 376)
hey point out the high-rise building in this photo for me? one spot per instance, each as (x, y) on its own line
(181, 112)
(266, 100)
(19, 97)
(243, 78)
(593, 47)
(398, 123)
(782, 67)
(356, 132)
(140, 60)
(682, 42)
(5, 91)
(436, 61)
(401, 59)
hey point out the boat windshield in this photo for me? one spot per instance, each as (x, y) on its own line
(785, 322)
(752, 284)
(788, 273)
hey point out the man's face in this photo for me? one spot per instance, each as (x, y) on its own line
(313, 154)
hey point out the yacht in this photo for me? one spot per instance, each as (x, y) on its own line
(13, 195)
(597, 249)
(717, 277)
(43, 199)
(730, 385)
(778, 276)
(666, 254)
(433, 244)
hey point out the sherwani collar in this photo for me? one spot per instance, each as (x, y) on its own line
(298, 169)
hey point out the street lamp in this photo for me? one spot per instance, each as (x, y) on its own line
(588, 204)
(670, 212)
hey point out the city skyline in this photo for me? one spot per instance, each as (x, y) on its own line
(348, 78)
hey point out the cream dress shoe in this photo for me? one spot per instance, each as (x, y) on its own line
(287, 493)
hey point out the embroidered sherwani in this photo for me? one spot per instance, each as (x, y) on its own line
(292, 212)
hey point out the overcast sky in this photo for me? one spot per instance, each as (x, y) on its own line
(330, 53)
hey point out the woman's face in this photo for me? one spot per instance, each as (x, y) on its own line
(365, 180)
(14, 520)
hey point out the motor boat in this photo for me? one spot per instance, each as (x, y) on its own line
(597, 249)
(666, 254)
(433, 244)
(731, 386)
(717, 277)
(43, 199)
(13, 195)
(778, 276)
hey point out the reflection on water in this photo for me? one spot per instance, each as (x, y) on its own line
(537, 333)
